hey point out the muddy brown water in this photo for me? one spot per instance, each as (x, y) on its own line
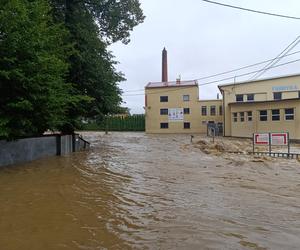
(137, 191)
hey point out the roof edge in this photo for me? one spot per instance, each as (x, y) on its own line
(259, 80)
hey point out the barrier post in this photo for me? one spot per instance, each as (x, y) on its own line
(253, 147)
(288, 138)
(270, 144)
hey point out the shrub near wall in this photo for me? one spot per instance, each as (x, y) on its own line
(129, 123)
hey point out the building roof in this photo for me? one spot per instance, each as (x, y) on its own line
(259, 80)
(171, 84)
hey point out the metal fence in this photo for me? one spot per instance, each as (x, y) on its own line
(110, 123)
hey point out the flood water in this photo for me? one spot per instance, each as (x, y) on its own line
(137, 191)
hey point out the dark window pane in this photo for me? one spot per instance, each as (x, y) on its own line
(164, 99)
(263, 115)
(212, 110)
(186, 111)
(186, 125)
(275, 115)
(239, 98)
(235, 117)
(250, 97)
(186, 98)
(289, 114)
(164, 111)
(277, 95)
(242, 116)
(164, 125)
(220, 110)
(204, 110)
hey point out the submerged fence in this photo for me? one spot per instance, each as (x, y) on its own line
(128, 123)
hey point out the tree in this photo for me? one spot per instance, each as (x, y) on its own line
(34, 95)
(93, 25)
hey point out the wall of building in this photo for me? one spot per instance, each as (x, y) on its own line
(29, 149)
(175, 100)
(263, 100)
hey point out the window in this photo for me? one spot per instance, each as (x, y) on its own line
(204, 110)
(220, 110)
(164, 111)
(234, 117)
(289, 114)
(239, 98)
(164, 99)
(186, 125)
(186, 98)
(275, 115)
(277, 95)
(242, 116)
(298, 94)
(186, 111)
(250, 97)
(164, 125)
(212, 110)
(249, 116)
(263, 115)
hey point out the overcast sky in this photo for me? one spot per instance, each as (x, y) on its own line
(204, 39)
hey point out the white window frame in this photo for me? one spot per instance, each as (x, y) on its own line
(249, 117)
(276, 115)
(263, 116)
(289, 115)
(186, 98)
(235, 116)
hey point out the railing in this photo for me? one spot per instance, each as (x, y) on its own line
(272, 154)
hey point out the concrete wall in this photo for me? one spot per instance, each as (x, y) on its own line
(29, 149)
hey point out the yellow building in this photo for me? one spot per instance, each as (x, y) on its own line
(174, 107)
(268, 105)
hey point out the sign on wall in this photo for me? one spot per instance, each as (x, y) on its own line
(285, 88)
(175, 114)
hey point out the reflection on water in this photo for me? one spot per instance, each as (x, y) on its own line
(133, 191)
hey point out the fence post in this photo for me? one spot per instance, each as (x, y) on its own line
(253, 147)
(270, 144)
(58, 144)
(73, 142)
(289, 147)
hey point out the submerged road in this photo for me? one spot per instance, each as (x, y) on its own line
(137, 191)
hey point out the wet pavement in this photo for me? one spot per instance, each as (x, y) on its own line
(137, 191)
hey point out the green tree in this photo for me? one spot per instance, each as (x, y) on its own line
(34, 95)
(93, 25)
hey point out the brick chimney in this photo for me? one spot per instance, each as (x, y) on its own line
(164, 66)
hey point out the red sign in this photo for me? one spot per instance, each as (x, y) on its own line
(279, 139)
(261, 139)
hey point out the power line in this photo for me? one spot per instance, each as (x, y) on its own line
(246, 74)
(278, 58)
(245, 67)
(225, 72)
(220, 80)
(251, 10)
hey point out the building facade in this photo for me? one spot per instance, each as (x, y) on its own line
(260, 106)
(174, 107)
(268, 105)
